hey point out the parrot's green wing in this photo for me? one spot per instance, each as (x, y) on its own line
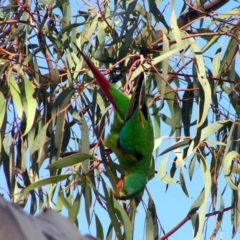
(137, 130)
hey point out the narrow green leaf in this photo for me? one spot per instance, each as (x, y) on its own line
(201, 73)
(60, 111)
(64, 201)
(122, 215)
(3, 124)
(230, 138)
(202, 159)
(213, 142)
(227, 165)
(229, 54)
(66, 10)
(216, 62)
(163, 175)
(59, 204)
(153, 8)
(157, 143)
(40, 139)
(16, 93)
(74, 209)
(193, 210)
(46, 2)
(170, 53)
(169, 121)
(152, 230)
(85, 143)
(187, 106)
(101, 35)
(192, 166)
(129, 12)
(69, 161)
(202, 210)
(183, 183)
(219, 218)
(66, 136)
(88, 199)
(177, 117)
(43, 182)
(157, 130)
(2, 109)
(111, 211)
(176, 145)
(136, 72)
(30, 109)
(111, 177)
(235, 214)
(110, 232)
(212, 128)
(99, 228)
(175, 163)
(210, 42)
(165, 66)
(175, 29)
(128, 38)
(205, 133)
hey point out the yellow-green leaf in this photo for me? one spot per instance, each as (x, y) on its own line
(30, 111)
(16, 93)
(69, 161)
(50, 180)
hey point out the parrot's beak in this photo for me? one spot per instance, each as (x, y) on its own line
(119, 195)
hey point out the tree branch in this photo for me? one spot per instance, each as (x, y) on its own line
(188, 217)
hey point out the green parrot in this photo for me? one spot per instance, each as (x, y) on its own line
(131, 135)
(136, 138)
(120, 103)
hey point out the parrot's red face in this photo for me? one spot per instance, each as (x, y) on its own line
(129, 186)
(120, 184)
(122, 195)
